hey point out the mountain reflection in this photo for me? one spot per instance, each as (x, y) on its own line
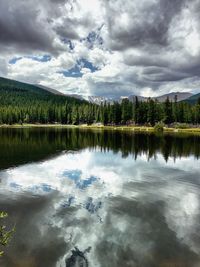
(103, 199)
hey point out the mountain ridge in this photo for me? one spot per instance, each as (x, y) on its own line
(102, 99)
(193, 99)
(41, 89)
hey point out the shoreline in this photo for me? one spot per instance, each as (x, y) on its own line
(101, 127)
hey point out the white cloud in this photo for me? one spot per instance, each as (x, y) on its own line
(138, 47)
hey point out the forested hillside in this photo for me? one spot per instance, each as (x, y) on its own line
(24, 103)
(21, 102)
(193, 99)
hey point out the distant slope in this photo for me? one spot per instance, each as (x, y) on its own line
(171, 96)
(140, 98)
(193, 99)
(26, 103)
(101, 99)
(56, 92)
(180, 96)
(80, 97)
(14, 86)
(53, 91)
(14, 93)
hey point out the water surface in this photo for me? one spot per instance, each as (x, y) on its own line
(100, 199)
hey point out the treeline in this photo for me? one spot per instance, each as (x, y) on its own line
(19, 107)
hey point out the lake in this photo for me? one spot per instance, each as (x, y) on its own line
(100, 198)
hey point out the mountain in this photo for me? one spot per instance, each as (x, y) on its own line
(18, 93)
(53, 91)
(180, 96)
(56, 92)
(140, 98)
(27, 103)
(171, 96)
(43, 91)
(193, 99)
(20, 87)
(101, 99)
(22, 103)
(80, 97)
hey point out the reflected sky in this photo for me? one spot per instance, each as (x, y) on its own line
(143, 212)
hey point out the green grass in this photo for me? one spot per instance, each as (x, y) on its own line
(101, 127)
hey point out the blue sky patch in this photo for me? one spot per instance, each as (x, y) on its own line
(68, 42)
(15, 186)
(76, 70)
(14, 60)
(75, 175)
(94, 37)
(43, 58)
(73, 72)
(84, 63)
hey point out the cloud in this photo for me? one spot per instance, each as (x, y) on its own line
(148, 216)
(136, 47)
(3, 67)
(140, 23)
(23, 28)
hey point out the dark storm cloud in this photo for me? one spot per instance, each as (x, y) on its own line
(27, 26)
(147, 26)
(162, 74)
(22, 29)
(69, 26)
(164, 67)
(147, 23)
(67, 32)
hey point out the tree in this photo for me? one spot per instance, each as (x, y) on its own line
(136, 111)
(175, 109)
(126, 108)
(168, 111)
(151, 112)
(18, 105)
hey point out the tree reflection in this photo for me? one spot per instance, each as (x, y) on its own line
(20, 146)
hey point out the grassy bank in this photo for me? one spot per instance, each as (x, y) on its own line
(101, 127)
(143, 129)
(31, 125)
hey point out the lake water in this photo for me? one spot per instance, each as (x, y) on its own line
(100, 199)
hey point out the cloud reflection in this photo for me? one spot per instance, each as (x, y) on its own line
(131, 212)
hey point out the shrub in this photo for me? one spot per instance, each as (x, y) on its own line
(181, 126)
(5, 235)
(159, 127)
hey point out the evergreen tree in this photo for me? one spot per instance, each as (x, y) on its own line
(168, 111)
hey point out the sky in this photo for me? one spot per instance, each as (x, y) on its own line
(102, 47)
